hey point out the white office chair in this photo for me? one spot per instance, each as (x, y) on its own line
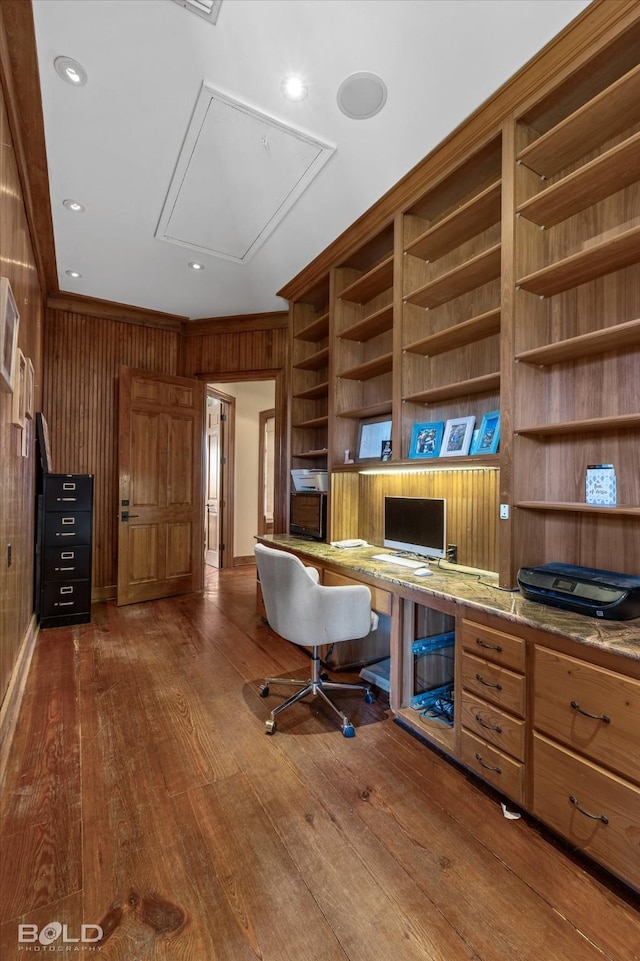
(301, 610)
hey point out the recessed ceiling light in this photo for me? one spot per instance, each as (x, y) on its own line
(362, 95)
(294, 87)
(74, 274)
(74, 206)
(71, 71)
(195, 266)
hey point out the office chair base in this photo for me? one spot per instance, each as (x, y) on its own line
(315, 686)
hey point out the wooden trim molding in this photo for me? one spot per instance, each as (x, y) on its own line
(237, 323)
(15, 692)
(109, 310)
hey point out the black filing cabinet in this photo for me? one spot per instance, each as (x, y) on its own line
(63, 552)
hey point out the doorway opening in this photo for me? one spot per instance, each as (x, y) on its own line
(240, 469)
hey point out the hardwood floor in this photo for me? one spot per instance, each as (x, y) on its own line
(142, 795)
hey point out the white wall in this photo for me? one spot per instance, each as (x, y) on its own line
(251, 398)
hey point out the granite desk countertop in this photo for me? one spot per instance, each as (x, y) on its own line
(478, 590)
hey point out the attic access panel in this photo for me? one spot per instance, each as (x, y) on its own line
(238, 174)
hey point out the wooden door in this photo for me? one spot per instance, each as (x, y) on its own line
(160, 455)
(214, 478)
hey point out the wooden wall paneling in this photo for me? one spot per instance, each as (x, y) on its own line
(83, 355)
(17, 478)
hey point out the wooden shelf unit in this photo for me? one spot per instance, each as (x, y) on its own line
(448, 299)
(576, 331)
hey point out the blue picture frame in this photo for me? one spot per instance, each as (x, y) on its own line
(488, 437)
(426, 440)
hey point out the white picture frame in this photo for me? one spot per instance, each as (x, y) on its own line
(9, 321)
(30, 390)
(19, 389)
(458, 432)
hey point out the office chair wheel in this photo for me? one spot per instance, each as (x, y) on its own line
(348, 730)
(263, 690)
(369, 697)
(270, 726)
(324, 676)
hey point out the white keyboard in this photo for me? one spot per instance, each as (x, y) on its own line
(401, 561)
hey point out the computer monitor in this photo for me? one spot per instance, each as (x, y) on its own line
(417, 525)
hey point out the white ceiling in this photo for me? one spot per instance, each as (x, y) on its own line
(115, 144)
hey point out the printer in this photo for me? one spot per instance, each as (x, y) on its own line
(583, 590)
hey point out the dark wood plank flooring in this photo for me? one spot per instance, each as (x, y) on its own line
(142, 795)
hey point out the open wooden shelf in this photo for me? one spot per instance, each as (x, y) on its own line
(470, 219)
(379, 278)
(476, 385)
(612, 171)
(613, 110)
(315, 331)
(313, 393)
(603, 258)
(371, 410)
(312, 422)
(468, 332)
(322, 452)
(620, 510)
(590, 426)
(315, 362)
(619, 337)
(370, 369)
(369, 327)
(473, 273)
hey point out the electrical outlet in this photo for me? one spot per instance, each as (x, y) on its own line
(9, 555)
(504, 512)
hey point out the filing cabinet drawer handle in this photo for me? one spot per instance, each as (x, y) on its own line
(489, 727)
(480, 678)
(489, 647)
(487, 766)
(597, 717)
(594, 817)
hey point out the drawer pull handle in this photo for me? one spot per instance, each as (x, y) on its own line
(480, 678)
(597, 717)
(490, 727)
(489, 647)
(487, 766)
(594, 817)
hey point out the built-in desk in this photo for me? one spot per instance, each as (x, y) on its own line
(546, 702)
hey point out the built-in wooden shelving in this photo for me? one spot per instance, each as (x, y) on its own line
(372, 283)
(576, 507)
(312, 422)
(610, 112)
(468, 332)
(588, 426)
(602, 258)
(313, 393)
(619, 337)
(479, 213)
(370, 369)
(370, 410)
(315, 331)
(315, 361)
(613, 170)
(376, 323)
(473, 273)
(476, 385)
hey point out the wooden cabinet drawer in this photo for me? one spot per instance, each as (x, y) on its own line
(494, 683)
(594, 809)
(493, 725)
(489, 763)
(568, 690)
(494, 645)
(380, 600)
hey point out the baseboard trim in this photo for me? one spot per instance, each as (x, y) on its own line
(99, 594)
(244, 561)
(13, 698)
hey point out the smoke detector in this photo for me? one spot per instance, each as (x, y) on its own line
(207, 9)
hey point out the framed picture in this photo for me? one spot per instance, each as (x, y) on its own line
(19, 389)
(9, 320)
(426, 439)
(44, 447)
(374, 432)
(457, 436)
(30, 387)
(488, 434)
